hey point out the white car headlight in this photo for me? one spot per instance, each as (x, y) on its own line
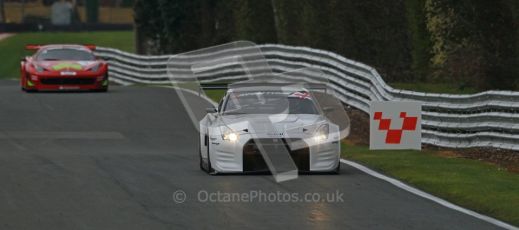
(321, 133)
(229, 135)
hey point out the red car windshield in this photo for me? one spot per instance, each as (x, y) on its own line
(64, 54)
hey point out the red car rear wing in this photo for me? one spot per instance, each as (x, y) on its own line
(90, 46)
(32, 47)
(37, 47)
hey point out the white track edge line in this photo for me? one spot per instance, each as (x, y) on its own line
(428, 196)
(202, 95)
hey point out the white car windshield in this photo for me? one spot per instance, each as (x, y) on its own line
(269, 102)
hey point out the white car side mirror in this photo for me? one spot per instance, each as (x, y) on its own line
(211, 110)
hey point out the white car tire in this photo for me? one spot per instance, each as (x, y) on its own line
(205, 167)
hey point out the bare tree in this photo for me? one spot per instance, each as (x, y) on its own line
(22, 11)
(276, 19)
(2, 12)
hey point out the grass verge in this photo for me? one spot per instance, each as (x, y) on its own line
(215, 95)
(13, 48)
(476, 185)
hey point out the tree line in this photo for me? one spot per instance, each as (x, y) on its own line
(471, 43)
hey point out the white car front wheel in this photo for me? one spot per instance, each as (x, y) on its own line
(205, 166)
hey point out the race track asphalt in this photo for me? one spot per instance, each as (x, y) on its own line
(114, 160)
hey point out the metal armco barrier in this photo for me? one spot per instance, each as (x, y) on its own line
(487, 119)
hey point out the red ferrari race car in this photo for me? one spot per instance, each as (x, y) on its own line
(63, 67)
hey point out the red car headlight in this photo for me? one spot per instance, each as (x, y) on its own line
(96, 67)
(38, 68)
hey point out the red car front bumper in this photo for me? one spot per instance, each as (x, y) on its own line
(59, 83)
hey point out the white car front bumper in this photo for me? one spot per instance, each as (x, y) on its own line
(244, 156)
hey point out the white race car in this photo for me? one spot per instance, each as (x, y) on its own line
(257, 120)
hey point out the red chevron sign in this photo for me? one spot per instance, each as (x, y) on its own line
(395, 125)
(394, 136)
